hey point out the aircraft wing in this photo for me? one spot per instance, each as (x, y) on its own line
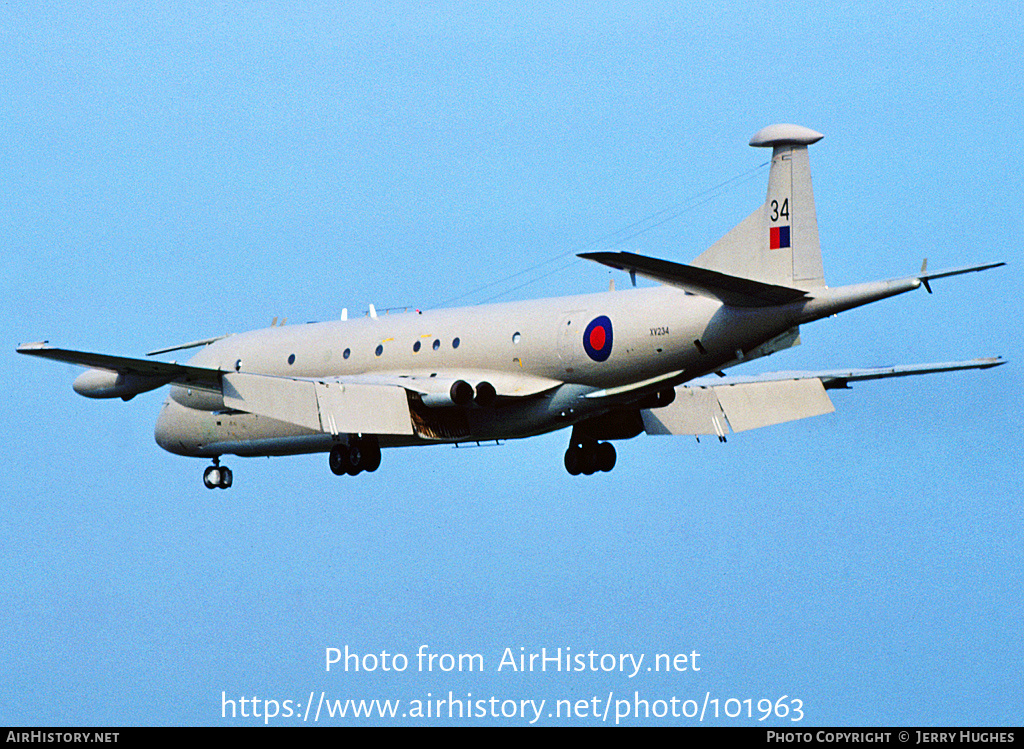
(330, 407)
(375, 403)
(715, 405)
(155, 373)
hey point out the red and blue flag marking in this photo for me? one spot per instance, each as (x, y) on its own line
(778, 237)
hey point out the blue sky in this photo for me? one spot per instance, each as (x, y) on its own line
(183, 172)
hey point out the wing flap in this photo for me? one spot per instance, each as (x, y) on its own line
(716, 410)
(335, 408)
(694, 411)
(363, 409)
(766, 403)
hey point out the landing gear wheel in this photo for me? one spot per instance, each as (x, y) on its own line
(587, 456)
(355, 459)
(371, 456)
(605, 456)
(339, 460)
(357, 456)
(217, 477)
(211, 477)
(573, 460)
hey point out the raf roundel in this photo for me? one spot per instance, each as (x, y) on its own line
(597, 338)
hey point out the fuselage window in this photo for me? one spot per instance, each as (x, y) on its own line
(291, 359)
(437, 344)
(380, 349)
(348, 351)
(238, 365)
(515, 337)
(416, 347)
(455, 343)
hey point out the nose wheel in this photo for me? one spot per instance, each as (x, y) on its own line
(217, 476)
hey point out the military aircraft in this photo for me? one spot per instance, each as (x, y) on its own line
(609, 365)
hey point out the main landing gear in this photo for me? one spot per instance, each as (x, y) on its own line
(587, 456)
(360, 454)
(217, 476)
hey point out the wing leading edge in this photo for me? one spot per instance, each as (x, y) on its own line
(143, 374)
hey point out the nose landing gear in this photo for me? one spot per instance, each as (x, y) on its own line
(217, 476)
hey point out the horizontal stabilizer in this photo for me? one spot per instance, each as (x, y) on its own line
(732, 290)
(184, 346)
(924, 277)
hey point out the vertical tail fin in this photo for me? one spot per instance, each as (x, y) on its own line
(777, 243)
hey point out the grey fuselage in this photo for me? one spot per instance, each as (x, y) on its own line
(533, 352)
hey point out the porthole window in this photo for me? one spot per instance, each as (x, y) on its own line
(455, 343)
(416, 347)
(380, 349)
(437, 344)
(515, 337)
(238, 365)
(291, 358)
(347, 353)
